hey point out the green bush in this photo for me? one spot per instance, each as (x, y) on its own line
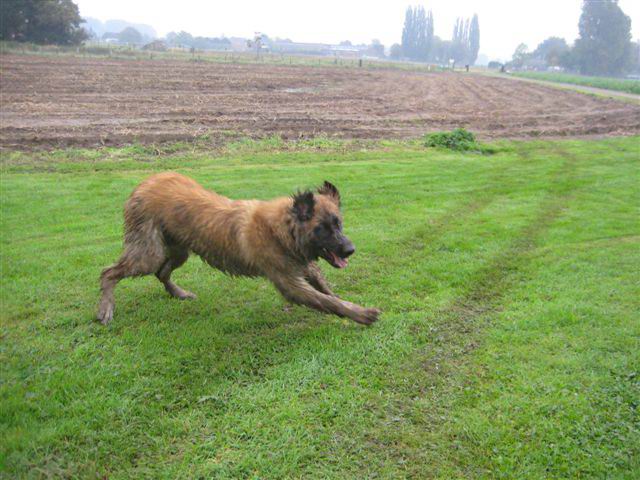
(458, 139)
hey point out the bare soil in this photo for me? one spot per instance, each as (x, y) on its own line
(60, 101)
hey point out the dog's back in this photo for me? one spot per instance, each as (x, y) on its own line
(174, 202)
(192, 218)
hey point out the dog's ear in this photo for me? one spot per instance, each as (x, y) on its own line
(303, 203)
(330, 190)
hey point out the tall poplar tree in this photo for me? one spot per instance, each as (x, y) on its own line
(474, 40)
(408, 33)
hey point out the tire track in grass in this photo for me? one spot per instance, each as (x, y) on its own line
(432, 229)
(439, 367)
(422, 240)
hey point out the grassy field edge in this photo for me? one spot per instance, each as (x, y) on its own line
(606, 83)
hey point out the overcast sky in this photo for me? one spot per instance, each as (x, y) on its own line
(503, 23)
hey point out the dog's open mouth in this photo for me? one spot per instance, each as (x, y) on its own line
(334, 260)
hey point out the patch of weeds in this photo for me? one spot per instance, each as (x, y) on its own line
(173, 147)
(245, 144)
(459, 140)
(319, 143)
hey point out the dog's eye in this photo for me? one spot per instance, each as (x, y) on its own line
(318, 230)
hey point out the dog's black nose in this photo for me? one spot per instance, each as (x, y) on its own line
(348, 250)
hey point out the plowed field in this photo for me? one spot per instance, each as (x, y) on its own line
(56, 101)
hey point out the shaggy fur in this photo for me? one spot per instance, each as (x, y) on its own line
(170, 215)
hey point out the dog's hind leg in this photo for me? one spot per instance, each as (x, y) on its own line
(177, 257)
(144, 253)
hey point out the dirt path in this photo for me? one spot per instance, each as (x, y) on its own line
(578, 88)
(60, 101)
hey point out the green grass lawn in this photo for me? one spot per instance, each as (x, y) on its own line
(617, 84)
(509, 346)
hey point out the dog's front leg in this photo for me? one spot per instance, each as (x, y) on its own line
(299, 290)
(314, 276)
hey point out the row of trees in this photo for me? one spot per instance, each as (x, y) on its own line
(417, 34)
(552, 52)
(420, 44)
(185, 39)
(128, 35)
(466, 41)
(604, 45)
(59, 22)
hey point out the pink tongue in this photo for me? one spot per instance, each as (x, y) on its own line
(340, 262)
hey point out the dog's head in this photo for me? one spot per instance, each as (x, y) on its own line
(318, 229)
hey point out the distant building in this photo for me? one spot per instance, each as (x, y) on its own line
(299, 48)
(238, 44)
(325, 49)
(346, 51)
(287, 47)
(156, 46)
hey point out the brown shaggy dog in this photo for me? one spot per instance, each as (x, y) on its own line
(170, 215)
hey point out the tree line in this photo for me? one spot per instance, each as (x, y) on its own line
(603, 47)
(185, 39)
(417, 34)
(420, 44)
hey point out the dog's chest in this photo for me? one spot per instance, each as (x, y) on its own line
(230, 264)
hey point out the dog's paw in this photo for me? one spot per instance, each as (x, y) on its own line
(105, 313)
(367, 316)
(176, 292)
(185, 295)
